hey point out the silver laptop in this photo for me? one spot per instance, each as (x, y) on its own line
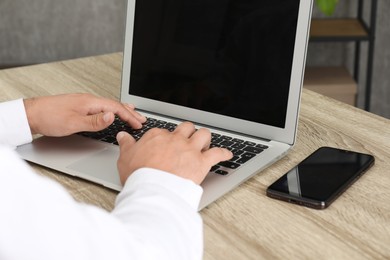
(235, 67)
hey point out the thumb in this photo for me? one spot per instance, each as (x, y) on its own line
(99, 121)
(124, 138)
(125, 142)
(216, 155)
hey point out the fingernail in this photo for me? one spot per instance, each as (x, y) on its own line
(107, 117)
(130, 106)
(119, 136)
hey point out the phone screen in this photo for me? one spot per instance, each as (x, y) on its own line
(321, 177)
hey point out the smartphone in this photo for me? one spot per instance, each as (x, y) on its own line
(320, 178)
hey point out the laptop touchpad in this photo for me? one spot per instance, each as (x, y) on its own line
(100, 167)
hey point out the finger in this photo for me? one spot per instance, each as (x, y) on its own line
(131, 117)
(185, 129)
(131, 106)
(124, 139)
(128, 115)
(216, 155)
(95, 122)
(138, 116)
(201, 139)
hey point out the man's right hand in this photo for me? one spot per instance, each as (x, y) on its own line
(184, 152)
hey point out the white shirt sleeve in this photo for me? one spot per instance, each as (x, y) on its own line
(155, 217)
(14, 128)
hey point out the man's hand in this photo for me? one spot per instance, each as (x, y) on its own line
(184, 152)
(63, 115)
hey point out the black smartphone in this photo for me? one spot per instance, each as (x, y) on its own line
(320, 178)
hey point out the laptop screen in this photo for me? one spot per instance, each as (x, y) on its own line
(230, 57)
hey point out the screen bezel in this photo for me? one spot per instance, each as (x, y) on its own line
(286, 135)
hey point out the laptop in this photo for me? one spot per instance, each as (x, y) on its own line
(234, 67)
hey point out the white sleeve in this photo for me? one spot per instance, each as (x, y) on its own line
(155, 217)
(14, 128)
(164, 208)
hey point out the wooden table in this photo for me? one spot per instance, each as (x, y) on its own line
(246, 224)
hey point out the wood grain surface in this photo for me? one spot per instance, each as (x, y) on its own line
(246, 224)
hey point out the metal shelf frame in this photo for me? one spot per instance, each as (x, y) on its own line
(369, 38)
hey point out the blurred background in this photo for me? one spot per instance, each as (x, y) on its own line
(39, 31)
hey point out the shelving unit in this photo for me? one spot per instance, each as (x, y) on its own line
(335, 82)
(347, 30)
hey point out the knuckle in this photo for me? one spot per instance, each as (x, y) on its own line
(204, 131)
(156, 132)
(95, 122)
(187, 124)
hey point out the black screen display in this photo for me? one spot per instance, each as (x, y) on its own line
(231, 57)
(323, 174)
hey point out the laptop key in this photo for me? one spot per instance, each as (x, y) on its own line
(230, 165)
(214, 168)
(262, 146)
(237, 151)
(253, 149)
(243, 160)
(221, 172)
(235, 158)
(248, 155)
(236, 140)
(238, 146)
(216, 140)
(227, 143)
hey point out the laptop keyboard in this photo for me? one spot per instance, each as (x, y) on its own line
(243, 151)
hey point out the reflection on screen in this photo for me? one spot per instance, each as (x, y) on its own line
(232, 57)
(293, 184)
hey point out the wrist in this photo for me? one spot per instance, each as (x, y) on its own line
(29, 105)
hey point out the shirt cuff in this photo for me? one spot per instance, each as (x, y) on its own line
(183, 188)
(14, 127)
